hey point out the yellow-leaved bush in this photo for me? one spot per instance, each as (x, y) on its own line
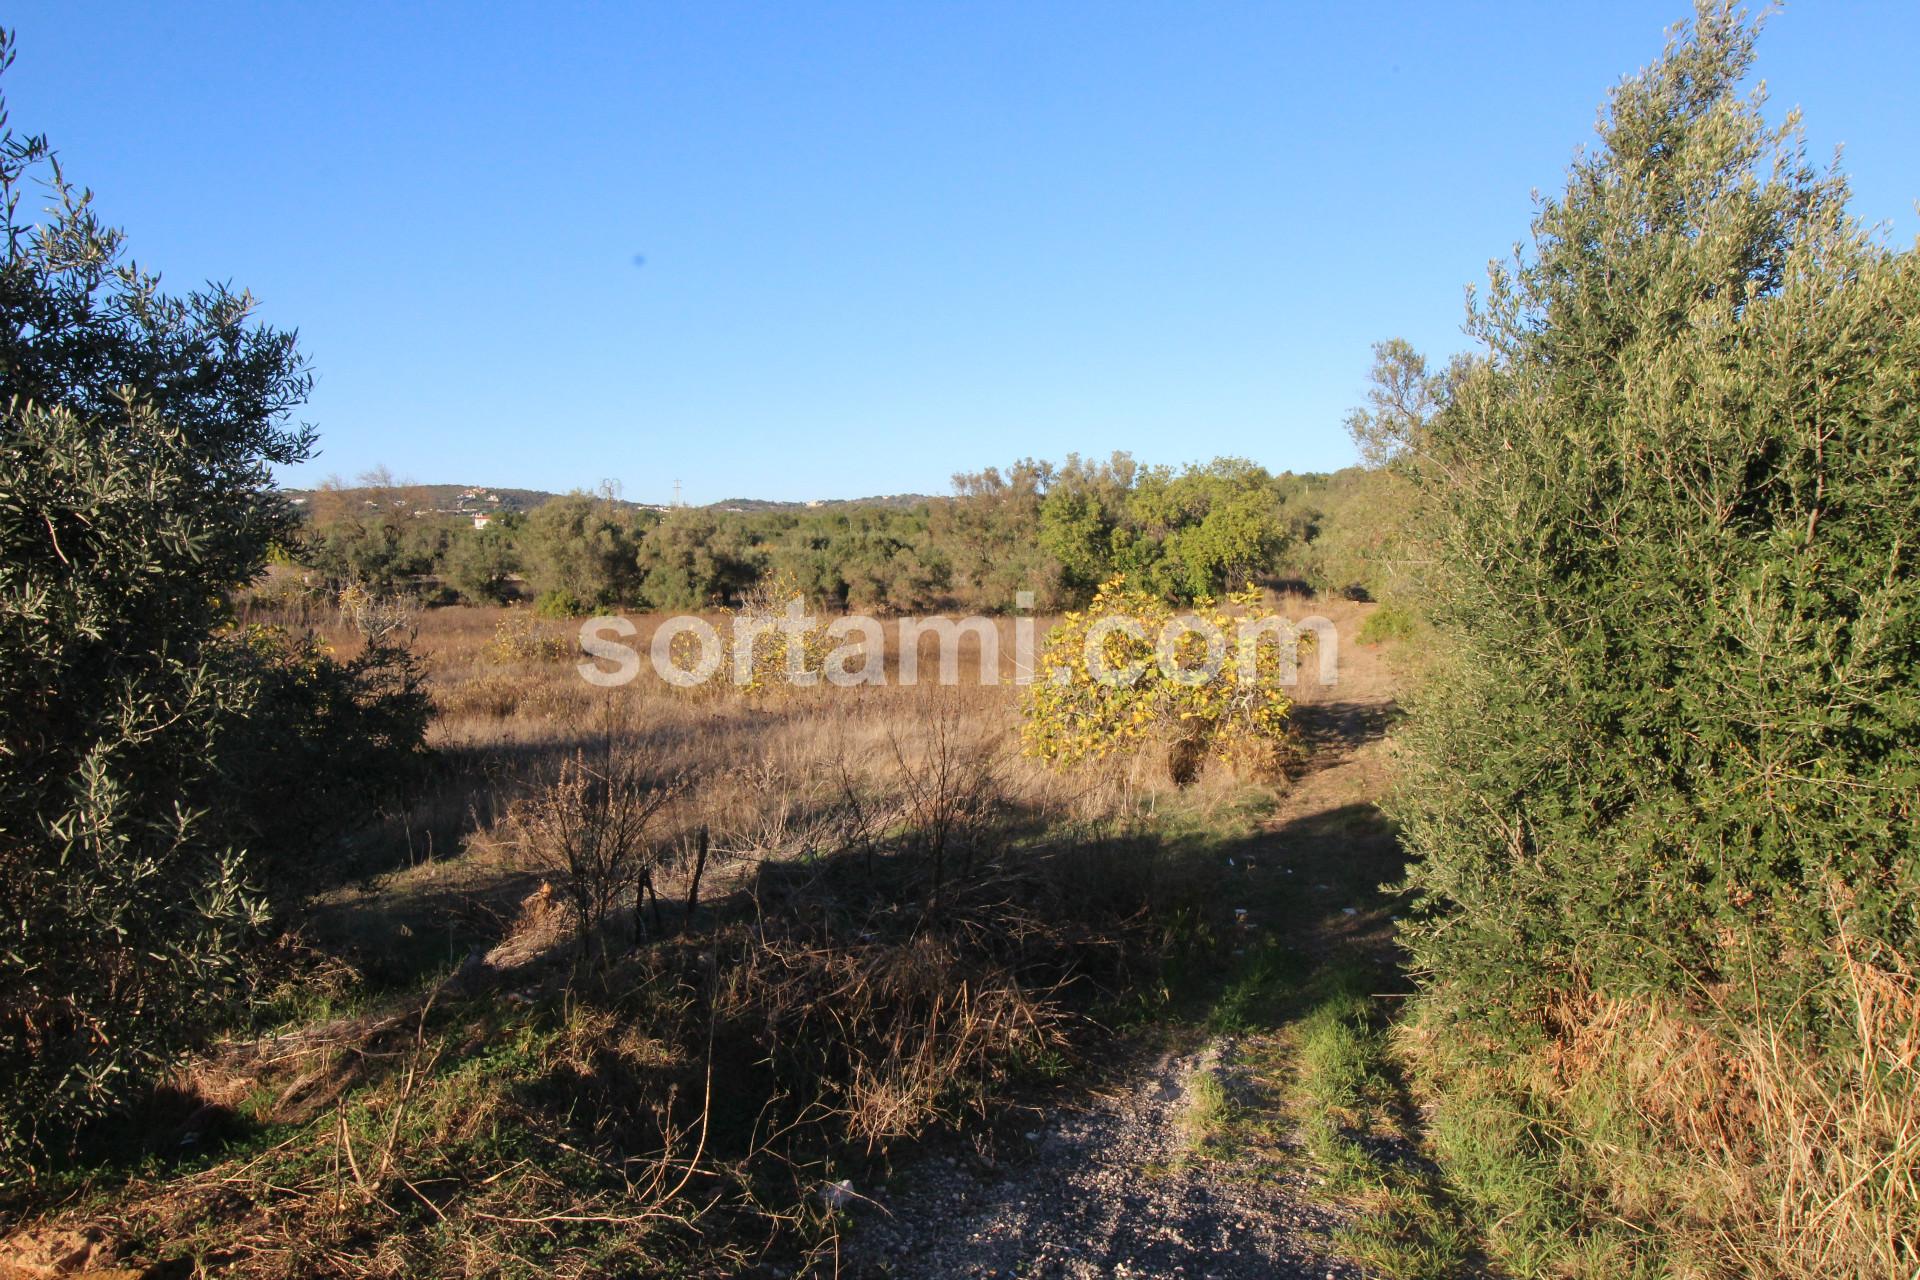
(1131, 670)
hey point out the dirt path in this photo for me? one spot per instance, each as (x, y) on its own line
(1116, 1185)
(1109, 1188)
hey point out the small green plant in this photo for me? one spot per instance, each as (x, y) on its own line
(1389, 623)
(1208, 1112)
(558, 602)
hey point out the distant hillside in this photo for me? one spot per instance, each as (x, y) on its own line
(442, 497)
(473, 499)
(900, 500)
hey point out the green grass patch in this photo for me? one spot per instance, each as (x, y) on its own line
(1208, 1113)
(1407, 1231)
(1351, 1125)
(1261, 988)
(1390, 624)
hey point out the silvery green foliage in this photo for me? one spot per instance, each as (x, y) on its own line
(136, 432)
(1402, 398)
(1673, 737)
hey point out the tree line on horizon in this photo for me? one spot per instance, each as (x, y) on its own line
(1057, 531)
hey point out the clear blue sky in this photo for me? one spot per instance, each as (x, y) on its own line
(882, 242)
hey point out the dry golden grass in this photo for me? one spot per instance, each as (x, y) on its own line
(1821, 1153)
(511, 701)
(1686, 1139)
(899, 918)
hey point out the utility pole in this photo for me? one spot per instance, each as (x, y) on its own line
(676, 493)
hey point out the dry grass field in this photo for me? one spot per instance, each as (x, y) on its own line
(771, 777)
(638, 976)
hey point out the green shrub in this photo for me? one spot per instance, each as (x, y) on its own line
(559, 603)
(136, 436)
(695, 559)
(1389, 623)
(582, 548)
(1672, 513)
(324, 743)
(480, 565)
(376, 542)
(1670, 747)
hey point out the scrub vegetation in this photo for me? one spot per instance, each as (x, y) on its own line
(349, 930)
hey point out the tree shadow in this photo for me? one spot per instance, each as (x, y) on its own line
(1325, 728)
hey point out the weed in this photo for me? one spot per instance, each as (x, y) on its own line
(521, 637)
(1208, 1111)
(1389, 623)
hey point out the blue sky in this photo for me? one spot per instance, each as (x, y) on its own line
(882, 242)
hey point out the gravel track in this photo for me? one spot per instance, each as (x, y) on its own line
(1108, 1188)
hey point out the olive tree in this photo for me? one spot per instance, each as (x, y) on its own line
(1670, 514)
(137, 430)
